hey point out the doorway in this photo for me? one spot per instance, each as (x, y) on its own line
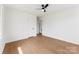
(39, 26)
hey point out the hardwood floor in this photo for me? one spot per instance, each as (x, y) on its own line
(41, 45)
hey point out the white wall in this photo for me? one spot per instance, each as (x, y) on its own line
(19, 25)
(0, 22)
(37, 25)
(63, 25)
(2, 40)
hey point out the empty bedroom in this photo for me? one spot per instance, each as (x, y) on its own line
(39, 28)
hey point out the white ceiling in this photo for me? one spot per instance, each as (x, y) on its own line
(35, 8)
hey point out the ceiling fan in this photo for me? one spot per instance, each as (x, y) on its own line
(44, 6)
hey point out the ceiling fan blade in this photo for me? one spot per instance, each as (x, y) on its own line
(43, 6)
(46, 6)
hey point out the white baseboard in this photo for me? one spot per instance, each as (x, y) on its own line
(48, 35)
(12, 40)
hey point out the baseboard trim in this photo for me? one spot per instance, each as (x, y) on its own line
(19, 39)
(61, 39)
